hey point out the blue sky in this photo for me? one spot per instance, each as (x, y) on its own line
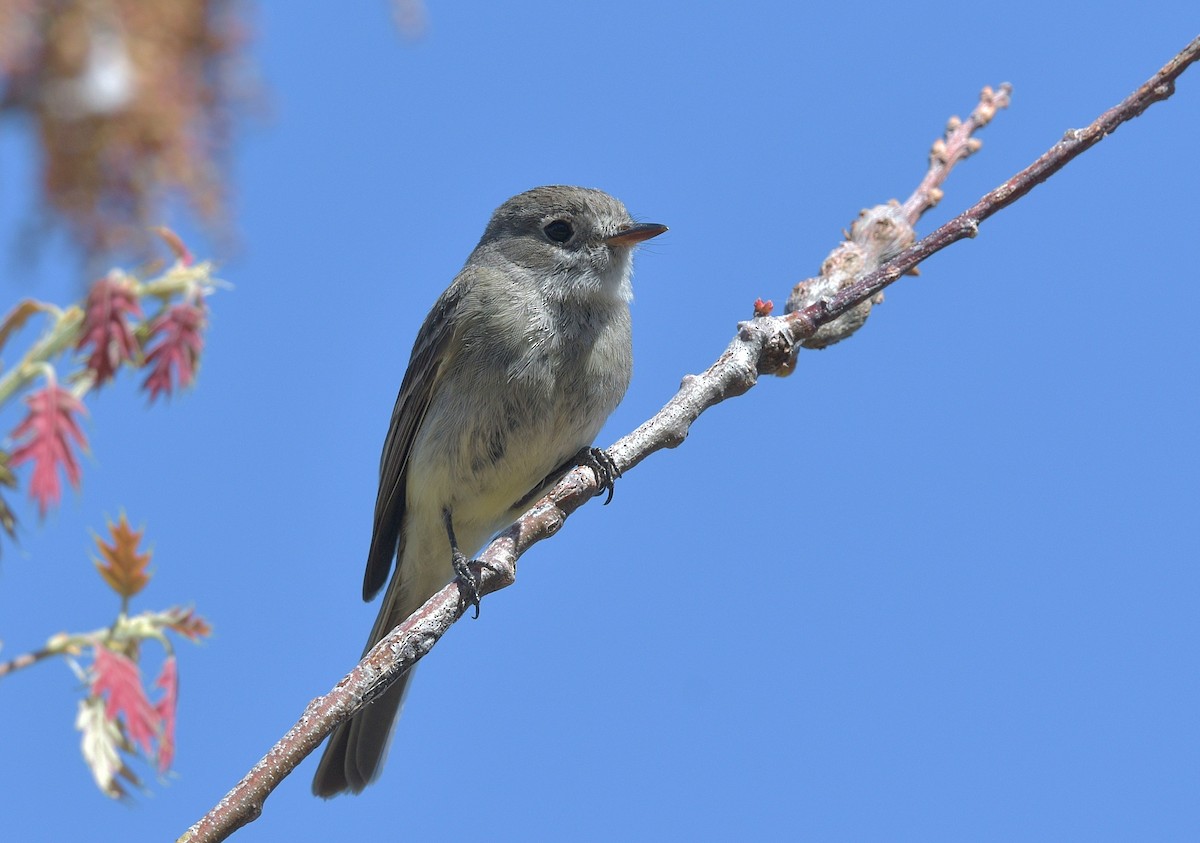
(941, 584)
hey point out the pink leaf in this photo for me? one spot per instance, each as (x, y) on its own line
(168, 680)
(105, 328)
(50, 428)
(177, 353)
(118, 676)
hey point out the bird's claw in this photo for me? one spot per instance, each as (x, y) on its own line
(466, 580)
(601, 462)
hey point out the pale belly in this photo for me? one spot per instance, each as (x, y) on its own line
(484, 467)
(480, 452)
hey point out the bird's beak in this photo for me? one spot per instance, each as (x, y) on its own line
(633, 234)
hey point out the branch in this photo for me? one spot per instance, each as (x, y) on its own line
(764, 345)
(27, 660)
(125, 630)
(1074, 142)
(883, 232)
(958, 144)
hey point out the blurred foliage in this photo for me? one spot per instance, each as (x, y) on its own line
(132, 102)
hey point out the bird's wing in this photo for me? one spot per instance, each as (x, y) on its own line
(425, 368)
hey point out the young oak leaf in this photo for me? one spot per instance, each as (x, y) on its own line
(118, 677)
(101, 744)
(188, 624)
(15, 318)
(106, 328)
(50, 429)
(168, 680)
(123, 568)
(175, 244)
(179, 343)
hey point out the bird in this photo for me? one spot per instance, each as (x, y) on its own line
(512, 374)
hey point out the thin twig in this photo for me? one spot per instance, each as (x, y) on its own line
(959, 143)
(763, 345)
(26, 660)
(126, 629)
(885, 231)
(1074, 142)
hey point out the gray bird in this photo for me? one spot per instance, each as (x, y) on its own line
(512, 374)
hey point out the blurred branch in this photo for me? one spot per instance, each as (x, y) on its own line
(765, 345)
(62, 334)
(29, 659)
(124, 632)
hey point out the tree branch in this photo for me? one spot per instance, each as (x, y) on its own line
(1074, 142)
(763, 345)
(958, 144)
(27, 660)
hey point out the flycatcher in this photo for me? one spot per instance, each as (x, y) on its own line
(512, 374)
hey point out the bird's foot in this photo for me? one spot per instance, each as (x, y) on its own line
(466, 580)
(601, 462)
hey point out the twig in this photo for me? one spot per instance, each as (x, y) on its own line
(125, 630)
(1075, 141)
(764, 345)
(26, 660)
(883, 232)
(959, 143)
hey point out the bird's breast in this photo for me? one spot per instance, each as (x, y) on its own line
(508, 414)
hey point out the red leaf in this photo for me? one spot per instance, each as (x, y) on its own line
(105, 328)
(179, 345)
(168, 680)
(50, 428)
(118, 676)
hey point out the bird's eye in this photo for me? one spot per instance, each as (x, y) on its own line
(559, 231)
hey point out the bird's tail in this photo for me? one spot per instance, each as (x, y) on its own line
(356, 749)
